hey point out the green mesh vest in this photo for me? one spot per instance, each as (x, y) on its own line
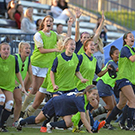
(106, 78)
(87, 69)
(7, 73)
(126, 68)
(81, 51)
(44, 60)
(64, 77)
(21, 67)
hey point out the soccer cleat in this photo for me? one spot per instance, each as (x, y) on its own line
(43, 129)
(129, 128)
(15, 124)
(108, 126)
(19, 126)
(101, 124)
(49, 128)
(3, 129)
(122, 126)
(77, 130)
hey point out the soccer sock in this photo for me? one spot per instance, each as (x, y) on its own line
(29, 111)
(91, 119)
(45, 122)
(113, 114)
(134, 119)
(27, 101)
(1, 108)
(4, 116)
(29, 120)
(59, 124)
(130, 117)
(55, 118)
(98, 111)
(80, 123)
(124, 115)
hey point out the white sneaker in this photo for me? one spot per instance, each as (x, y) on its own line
(49, 128)
(19, 126)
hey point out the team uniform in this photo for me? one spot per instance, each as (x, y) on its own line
(23, 66)
(106, 83)
(88, 67)
(41, 62)
(63, 105)
(64, 68)
(8, 68)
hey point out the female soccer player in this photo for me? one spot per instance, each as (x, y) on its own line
(8, 69)
(125, 80)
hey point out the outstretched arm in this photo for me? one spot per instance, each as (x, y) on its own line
(77, 32)
(99, 29)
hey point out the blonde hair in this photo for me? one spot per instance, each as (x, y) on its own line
(4, 43)
(21, 45)
(88, 89)
(100, 45)
(26, 13)
(62, 43)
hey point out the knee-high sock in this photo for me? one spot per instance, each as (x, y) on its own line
(4, 116)
(59, 124)
(130, 117)
(29, 120)
(113, 114)
(134, 119)
(27, 101)
(124, 115)
(45, 122)
(29, 111)
(1, 108)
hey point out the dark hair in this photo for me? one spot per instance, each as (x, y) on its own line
(84, 33)
(113, 48)
(88, 89)
(16, 11)
(124, 37)
(59, 24)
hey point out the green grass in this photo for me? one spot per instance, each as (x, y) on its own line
(35, 131)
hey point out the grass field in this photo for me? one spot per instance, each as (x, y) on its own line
(35, 131)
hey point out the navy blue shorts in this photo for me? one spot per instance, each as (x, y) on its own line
(48, 109)
(63, 92)
(122, 82)
(104, 90)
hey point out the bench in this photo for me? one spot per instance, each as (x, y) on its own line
(7, 23)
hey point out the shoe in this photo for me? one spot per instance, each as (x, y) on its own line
(108, 126)
(77, 130)
(15, 124)
(122, 126)
(129, 128)
(19, 126)
(101, 124)
(49, 128)
(3, 129)
(43, 129)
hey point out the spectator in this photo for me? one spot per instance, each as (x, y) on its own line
(38, 22)
(62, 4)
(103, 34)
(11, 9)
(59, 13)
(59, 28)
(28, 25)
(18, 15)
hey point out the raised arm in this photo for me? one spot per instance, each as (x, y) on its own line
(77, 32)
(99, 29)
(70, 22)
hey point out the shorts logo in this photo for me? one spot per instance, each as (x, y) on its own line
(127, 81)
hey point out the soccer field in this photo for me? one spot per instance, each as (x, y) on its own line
(35, 131)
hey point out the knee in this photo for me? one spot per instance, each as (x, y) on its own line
(2, 99)
(18, 101)
(121, 105)
(68, 123)
(37, 120)
(9, 105)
